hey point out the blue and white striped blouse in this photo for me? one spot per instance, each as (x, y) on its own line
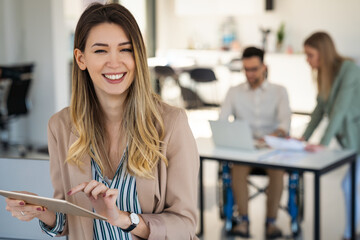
(126, 201)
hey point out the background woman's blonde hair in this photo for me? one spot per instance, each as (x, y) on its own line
(142, 120)
(330, 61)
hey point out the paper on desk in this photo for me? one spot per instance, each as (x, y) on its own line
(284, 144)
(282, 156)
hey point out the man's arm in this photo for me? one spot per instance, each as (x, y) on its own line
(227, 106)
(283, 114)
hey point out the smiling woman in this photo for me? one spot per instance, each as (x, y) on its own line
(118, 143)
(108, 57)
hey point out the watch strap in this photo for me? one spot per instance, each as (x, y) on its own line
(131, 227)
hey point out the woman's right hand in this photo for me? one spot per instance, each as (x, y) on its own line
(314, 147)
(27, 212)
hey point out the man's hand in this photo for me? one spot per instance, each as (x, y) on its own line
(279, 133)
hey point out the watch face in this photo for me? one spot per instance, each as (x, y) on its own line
(134, 218)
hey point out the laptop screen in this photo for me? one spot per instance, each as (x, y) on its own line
(236, 134)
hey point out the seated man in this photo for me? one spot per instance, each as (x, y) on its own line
(266, 107)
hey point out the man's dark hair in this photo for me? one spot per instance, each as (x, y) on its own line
(253, 52)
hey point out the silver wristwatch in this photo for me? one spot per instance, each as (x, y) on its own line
(134, 218)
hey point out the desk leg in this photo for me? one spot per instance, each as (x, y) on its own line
(353, 194)
(201, 199)
(317, 207)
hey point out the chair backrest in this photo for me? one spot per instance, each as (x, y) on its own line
(202, 75)
(16, 100)
(17, 72)
(164, 71)
(17, 97)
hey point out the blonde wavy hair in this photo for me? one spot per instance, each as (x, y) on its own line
(330, 61)
(142, 119)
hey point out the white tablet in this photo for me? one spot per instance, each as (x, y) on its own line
(55, 205)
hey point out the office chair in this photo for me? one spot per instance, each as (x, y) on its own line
(190, 98)
(204, 75)
(15, 102)
(162, 72)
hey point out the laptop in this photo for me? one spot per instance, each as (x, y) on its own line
(236, 134)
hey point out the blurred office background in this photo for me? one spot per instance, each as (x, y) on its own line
(41, 31)
(182, 34)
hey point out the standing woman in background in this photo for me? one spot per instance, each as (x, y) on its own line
(133, 156)
(338, 81)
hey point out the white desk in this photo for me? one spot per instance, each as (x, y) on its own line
(319, 163)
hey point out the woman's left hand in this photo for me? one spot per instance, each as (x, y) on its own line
(103, 199)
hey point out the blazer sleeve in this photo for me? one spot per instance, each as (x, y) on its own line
(341, 105)
(315, 119)
(179, 217)
(55, 168)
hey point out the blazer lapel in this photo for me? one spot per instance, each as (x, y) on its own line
(146, 191)
(336, 84)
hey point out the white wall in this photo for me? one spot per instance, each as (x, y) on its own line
(61, 59)
(2, 26)
(13, 40)
(33, 31)
(301, 17)
(38, 49)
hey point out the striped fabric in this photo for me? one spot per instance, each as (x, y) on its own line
(126, 201)
(59, 227)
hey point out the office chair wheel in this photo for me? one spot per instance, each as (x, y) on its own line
(228, 225)
(295, 229)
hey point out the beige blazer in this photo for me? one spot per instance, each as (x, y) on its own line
(168, 203)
